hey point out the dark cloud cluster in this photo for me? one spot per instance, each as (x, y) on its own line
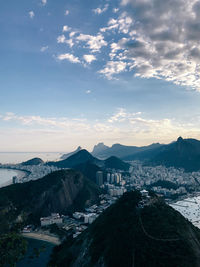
(165, 39)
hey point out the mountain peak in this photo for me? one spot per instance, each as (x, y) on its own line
(65, 156)
(34, 161)
(150, 235)
(180, 139)
(99, 148)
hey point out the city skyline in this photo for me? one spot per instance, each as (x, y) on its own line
(79, 73)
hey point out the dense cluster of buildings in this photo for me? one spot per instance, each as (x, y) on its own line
(161, 180)
(33, 172)
(54, 218)
(178, 181)
(79, 220)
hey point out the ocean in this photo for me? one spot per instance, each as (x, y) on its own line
(6, 175)
(18, 157)
(32, 261)
(190, 209)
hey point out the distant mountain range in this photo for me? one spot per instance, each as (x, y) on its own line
(84, 157)
(126, 235)
(80, 157)
(184, 153)
(101, 151)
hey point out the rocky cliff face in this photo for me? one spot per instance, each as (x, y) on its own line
(61, 191)
(62, 194)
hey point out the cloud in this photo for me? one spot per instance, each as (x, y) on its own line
(66, 12)
(94, 42)
(101, 10)
(62, 40)
(68, 57)
(165, 43)
(147, 38)
(89, 58)
(113, 67)
(31, 14)
(44, 48)
(122, 115)
(44, 2)
(123, 126)
(122, 24)
(115, 10)
(66, 28)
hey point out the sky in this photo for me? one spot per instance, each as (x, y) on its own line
(76, 72)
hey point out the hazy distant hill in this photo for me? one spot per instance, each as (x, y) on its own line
(34, 161)
(65, 156)
(125, 235)
(146, 154)
(61, 191)
(83, 158)
(116, 163)
(80, 157)
(99, 149)
(184, 153)
(119, 150)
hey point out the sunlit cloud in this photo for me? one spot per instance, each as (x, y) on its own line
(131, 128)
(44, 2)
(44, 48)
(31, 14)
(89, 58)
(68, 57)
(66, 28)
(66, 12)
(99, 10)
(160, 40)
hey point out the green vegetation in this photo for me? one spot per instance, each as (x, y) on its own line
(39, 198)
(62, 191)
(12, 248)
(88, 169)
(184, 153)
(126, 235)
(116, 163)
(165, 184)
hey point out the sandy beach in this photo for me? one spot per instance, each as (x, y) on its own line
(51, 239)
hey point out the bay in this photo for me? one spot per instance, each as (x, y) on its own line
(189, 208)
(6, 176)
(32, 260)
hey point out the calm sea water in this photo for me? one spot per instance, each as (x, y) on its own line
(7, 175)
(42, 260)
(18, 157)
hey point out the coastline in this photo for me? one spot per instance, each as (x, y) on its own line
(19, 173)
(38, 236)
